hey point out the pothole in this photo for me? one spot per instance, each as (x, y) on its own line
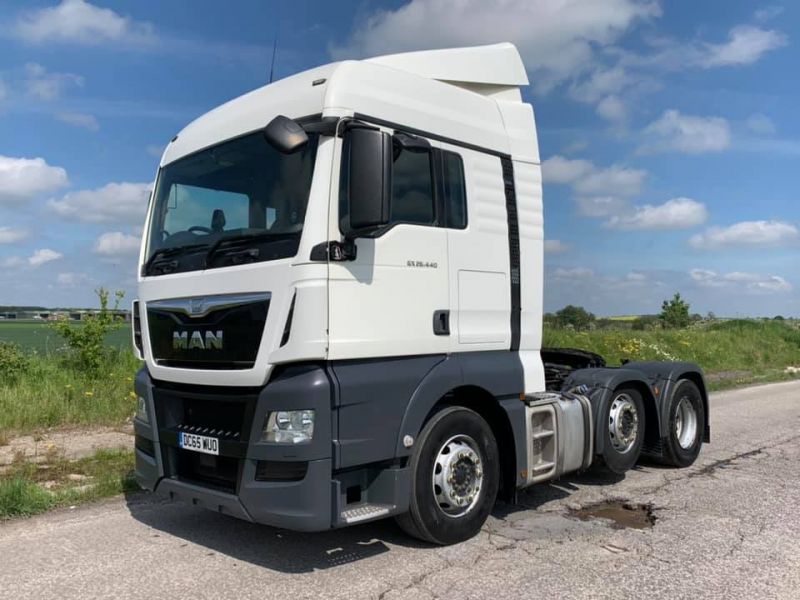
(620, 514)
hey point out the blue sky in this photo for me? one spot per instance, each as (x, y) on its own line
(669, 132)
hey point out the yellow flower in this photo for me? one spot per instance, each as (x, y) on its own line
(129, 379)
(88, 394)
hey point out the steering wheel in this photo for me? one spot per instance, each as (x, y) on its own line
(199, 228)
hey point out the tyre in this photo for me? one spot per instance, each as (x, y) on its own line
(687, 422)
(455, 475)
(623, 429)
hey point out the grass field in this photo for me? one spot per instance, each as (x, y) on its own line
(731, 352)
(36, 335)
(29, 488)
(54, 392)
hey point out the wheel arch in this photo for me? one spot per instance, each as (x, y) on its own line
(488, 383)
(602, 384)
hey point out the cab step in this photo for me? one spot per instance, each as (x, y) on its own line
(365, 512)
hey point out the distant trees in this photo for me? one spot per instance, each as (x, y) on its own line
(675, 313)
(576, 317)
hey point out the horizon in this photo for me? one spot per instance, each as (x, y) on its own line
(653, 120)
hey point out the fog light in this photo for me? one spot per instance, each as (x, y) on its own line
(289, 427)
(141, 409)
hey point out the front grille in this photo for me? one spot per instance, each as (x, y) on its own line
(210, 332)
(279, 470)
(208, 411)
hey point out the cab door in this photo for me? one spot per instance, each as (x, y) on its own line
(393, 298)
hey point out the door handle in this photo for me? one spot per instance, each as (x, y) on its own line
(441, 322)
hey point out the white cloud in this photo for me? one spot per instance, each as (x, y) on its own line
(10, 235)
(24, 178)
(587, 179)
(611, 108)
(598, 207)
(79, 120)
(747, 233)
(675, 132)
(560, 170)
(116, 243)
(556, 39)
(113, 203)
(746, 44)
(45, 255)
(615, 179)
(601, 83)
(573, 273)
(761, 124)
(753, 282)
(556, 247)
(576, 146)
(71, 279)
(678, 213)
(767, 13)
(80, 22)
(47, 86)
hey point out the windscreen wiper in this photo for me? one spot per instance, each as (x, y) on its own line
(166, 253)
(245, 238)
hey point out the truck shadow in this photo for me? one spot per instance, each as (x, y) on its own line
(297, 552)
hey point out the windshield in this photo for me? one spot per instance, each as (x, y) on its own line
(241, 200)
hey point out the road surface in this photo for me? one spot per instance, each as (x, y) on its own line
(729, 527)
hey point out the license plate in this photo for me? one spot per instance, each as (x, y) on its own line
(198, 443)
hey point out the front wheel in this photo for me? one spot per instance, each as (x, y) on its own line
(624, 430)
(455, 470)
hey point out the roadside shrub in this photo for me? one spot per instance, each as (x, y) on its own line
(86, 341)
(675, 313)
(647, 323)
(12, 361)
(576, 317)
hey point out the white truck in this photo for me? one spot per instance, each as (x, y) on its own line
(340, 309)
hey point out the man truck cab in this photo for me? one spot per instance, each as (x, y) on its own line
(340, 309)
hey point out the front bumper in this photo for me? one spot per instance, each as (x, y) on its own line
(288, 486)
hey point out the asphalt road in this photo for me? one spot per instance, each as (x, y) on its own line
(729, 527)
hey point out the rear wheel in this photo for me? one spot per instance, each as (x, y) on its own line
(624, 430)
(455, 470)
(687, 422)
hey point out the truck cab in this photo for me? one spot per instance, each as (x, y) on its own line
(340, 308)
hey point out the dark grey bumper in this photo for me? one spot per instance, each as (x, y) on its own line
(302, 505)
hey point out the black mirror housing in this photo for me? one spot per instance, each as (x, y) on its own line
(368, 156)
(285, 135)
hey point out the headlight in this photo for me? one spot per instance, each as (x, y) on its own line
(141, 409)
(289, 427)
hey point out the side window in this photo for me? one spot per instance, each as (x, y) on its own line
(412, 187)
(455, 194)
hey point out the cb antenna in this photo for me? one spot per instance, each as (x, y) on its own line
(274, 51)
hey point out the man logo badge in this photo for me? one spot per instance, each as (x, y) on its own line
(207, 340)
(196, 306)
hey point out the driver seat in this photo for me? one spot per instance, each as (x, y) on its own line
(217, 220)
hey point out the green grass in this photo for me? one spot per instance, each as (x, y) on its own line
(52, 392)
(37, 336)
(731, 352)
(23, 490)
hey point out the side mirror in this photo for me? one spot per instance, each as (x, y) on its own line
(285, 135)
(367, 154)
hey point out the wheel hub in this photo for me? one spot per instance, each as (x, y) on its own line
(457, 476)
(685, 423)
(623, 423)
